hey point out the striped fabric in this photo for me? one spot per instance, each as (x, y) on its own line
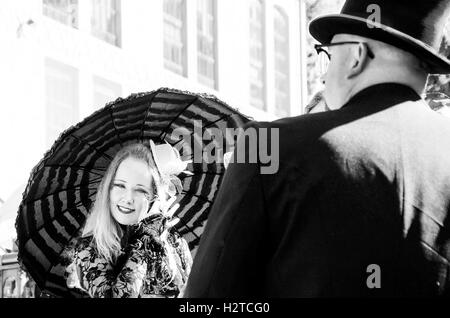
(62, 187)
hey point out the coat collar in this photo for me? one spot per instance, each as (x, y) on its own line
(382, 96)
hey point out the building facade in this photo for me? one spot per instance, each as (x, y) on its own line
(14, 282)
(63, 59)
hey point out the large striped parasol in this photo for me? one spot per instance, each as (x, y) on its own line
(62, 187)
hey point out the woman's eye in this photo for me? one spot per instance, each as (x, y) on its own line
(143, 191)
(118, 185)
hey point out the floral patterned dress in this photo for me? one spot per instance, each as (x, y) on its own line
(151, 264)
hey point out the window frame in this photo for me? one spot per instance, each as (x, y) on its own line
(281, 64)
(256, 65)
(103, 86)
(59, 71)
(99, 23)
(169, 43)
(70, 19)
(202, 56)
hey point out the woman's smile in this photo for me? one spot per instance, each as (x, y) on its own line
(125, 210)
(130, 190)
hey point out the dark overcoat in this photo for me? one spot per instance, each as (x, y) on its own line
(359, 207)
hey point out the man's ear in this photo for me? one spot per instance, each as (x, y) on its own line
(359, 59)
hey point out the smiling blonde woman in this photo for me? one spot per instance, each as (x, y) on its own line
(127, 248)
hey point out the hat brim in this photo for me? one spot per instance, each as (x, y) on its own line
(324, 28)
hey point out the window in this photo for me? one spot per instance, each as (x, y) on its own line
(105, 91)
(175, 36)
(282, 94)
(257, 55)
(10, 287)
(106, 20)
(64, 11)
(61, 98)
(9, 279)
(206, 44)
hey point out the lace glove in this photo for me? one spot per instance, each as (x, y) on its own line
(158, 247)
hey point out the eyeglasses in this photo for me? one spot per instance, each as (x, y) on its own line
(324, 59)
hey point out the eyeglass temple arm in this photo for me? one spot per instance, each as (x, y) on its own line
(319, 47)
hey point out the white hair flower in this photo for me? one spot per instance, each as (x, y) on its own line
(170, 165)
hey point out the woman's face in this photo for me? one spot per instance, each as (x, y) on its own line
(130, 191)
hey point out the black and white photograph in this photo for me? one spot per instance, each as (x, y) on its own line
(213, 150)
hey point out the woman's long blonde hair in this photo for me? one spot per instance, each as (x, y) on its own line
(106, 232)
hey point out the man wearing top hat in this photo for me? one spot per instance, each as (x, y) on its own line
(360, 203)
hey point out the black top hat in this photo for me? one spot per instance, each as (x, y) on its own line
(415, 26)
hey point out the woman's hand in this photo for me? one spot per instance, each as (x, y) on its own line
(74, 276)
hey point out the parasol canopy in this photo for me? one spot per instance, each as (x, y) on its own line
(63, 185)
